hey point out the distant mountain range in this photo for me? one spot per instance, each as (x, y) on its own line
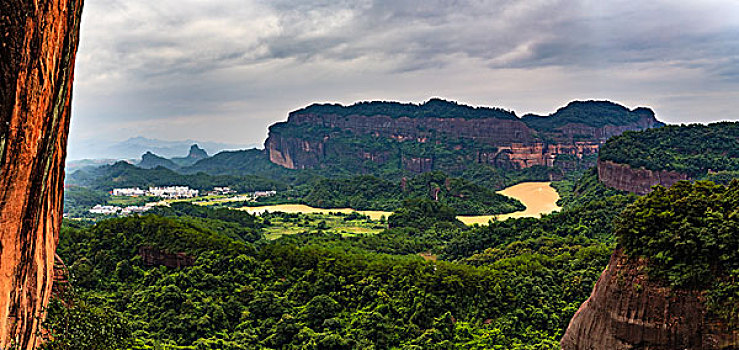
(134, 147)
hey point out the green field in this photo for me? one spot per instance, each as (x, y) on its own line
(279, 224)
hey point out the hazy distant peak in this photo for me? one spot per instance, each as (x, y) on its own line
(196, 152)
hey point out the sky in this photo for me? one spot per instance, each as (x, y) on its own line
(225, 70)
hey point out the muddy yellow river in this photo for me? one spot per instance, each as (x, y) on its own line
(538, 197)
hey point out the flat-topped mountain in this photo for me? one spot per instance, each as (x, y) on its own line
(445, 135)
(637, 161)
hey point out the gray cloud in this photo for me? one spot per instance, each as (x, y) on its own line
(224, 70)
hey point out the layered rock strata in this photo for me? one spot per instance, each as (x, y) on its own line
(39, 41)
(307, 140)
(640, 181)
(628, 311)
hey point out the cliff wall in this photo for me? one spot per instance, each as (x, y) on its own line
(640, 181)
(308, 140)
(39, 42)
(628, 311)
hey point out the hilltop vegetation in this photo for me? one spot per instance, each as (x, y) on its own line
(688, 232)
(433, 108)
(689, 236)
(690, 149)
(590, 113)
(372, 193)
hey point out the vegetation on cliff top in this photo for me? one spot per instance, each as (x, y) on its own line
(690, 149)
(591, 113)
(688, 232)
(689, 235)
(433, 108)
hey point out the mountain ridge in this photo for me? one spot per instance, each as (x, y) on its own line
(444, 135)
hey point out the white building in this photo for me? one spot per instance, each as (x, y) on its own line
(264, 193)
(105, 209)
(129, 192)
(220, 191)
(172, 192)
(134, 210)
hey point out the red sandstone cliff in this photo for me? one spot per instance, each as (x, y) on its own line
(39, 43)
(628, 311)
(640, 181)
(506, 143)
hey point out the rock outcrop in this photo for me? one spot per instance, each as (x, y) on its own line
(628, 311)
(196, 153)
(640, 181)
(151, 256)
(150, 161)
(322, 134)
(39, 41)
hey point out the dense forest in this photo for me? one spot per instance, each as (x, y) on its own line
(693, 149)
(372, 193)
(423, 281)
(510, 285)
(688, 233)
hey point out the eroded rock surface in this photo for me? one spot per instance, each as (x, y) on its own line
(640, 181)
(39, 41)
(308, 140)
(628, 311)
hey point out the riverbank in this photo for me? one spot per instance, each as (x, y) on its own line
(538, 197)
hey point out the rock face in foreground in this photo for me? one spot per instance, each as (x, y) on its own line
(628, 311)
(39, 42)
(443, 135)
(640, 181)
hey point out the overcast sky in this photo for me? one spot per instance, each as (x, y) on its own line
(225, 70)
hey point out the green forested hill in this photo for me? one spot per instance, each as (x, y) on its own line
(590, 113)
(244, 162)
(690, 149)
(122, 174)
(372, 193)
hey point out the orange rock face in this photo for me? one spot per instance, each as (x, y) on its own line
(628, 311)
(37, 52)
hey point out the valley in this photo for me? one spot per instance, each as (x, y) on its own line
(530, 217)
(538, 198)
(389, 253)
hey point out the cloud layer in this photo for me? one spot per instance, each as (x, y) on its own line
(224, 70)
